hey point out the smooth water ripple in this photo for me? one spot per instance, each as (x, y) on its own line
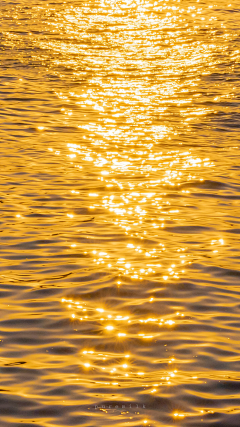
(119, 228)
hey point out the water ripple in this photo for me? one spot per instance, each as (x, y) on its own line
(119, 223)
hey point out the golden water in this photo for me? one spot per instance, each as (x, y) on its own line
(120, 281)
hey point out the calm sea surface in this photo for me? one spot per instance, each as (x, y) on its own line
(119, 220)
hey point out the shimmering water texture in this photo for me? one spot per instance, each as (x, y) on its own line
(120, 280)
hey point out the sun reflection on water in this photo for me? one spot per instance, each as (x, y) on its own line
(143, 208)
(120, 124)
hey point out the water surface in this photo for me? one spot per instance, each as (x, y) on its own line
(119, 228)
